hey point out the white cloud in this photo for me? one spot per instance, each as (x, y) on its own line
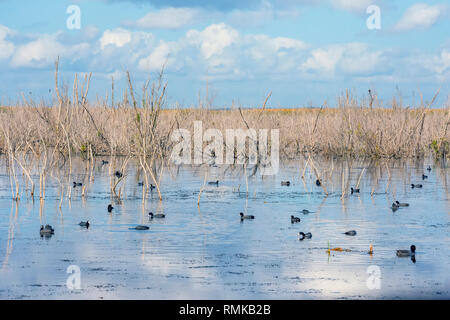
(357, 6)
(117, 37)
(43, 52)
(168, 18)
(349, 58)
(323, 60)
(437, 64)
(359, 58)
(121, 48)
(6, 47)
(175, 18)
(214, 39)
(272, 55)
(420, 16)
(162, 55)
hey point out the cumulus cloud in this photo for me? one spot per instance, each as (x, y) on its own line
(420, 16)
(176, 18)
(350, 58)
(214, 39)
(118, 37)
(163, 55)
(121, 48)
(219, 50)
(437, 64)
(44, 50)
(167, 18)
(6, 47)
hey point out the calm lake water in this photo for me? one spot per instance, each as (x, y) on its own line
(207, 253)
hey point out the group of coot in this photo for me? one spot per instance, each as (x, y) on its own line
(48, 231)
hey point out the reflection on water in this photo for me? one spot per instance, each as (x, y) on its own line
(206, 252)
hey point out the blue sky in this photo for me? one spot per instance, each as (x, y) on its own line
(304, 51)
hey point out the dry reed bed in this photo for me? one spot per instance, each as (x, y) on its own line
(345, 131)
(38, 138)
(43, 140)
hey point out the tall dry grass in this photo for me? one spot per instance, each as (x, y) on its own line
(36, 138)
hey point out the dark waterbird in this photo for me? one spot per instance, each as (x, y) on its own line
(139, 228)
(118, 174)
(77, 184)
(429, 168)
(246, 217)
(104, 162)
(306, 211)
(416, 185)
(395, 206)
(424, 176)
(140, 184)
(46, 231)
(350, 233)
(318, 183)
(152, 187)
(285, 183)
(110, 208)
(400, 204)
(295, 219)
(407, 253)
(303, 235)
(354, 190)
(214, 183)
(157, 216)
(84, 224)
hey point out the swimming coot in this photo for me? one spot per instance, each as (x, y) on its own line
(303, 235)
(295, 219)
(46, 231)
(139, 228)
(407, 253)
(158, 216)
(246, 217)
(401, 204)
(84, 224)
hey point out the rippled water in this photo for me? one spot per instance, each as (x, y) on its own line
(207, 253)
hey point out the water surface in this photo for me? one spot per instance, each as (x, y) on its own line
(206, 252)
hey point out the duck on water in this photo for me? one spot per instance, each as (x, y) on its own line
(85, 224)
(246, 217)
(295, 219)
(140, 228)
(46, 231)
(303, 236)
(157, 216)
(407, 253)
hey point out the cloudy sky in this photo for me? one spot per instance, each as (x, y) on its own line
(304, 51)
